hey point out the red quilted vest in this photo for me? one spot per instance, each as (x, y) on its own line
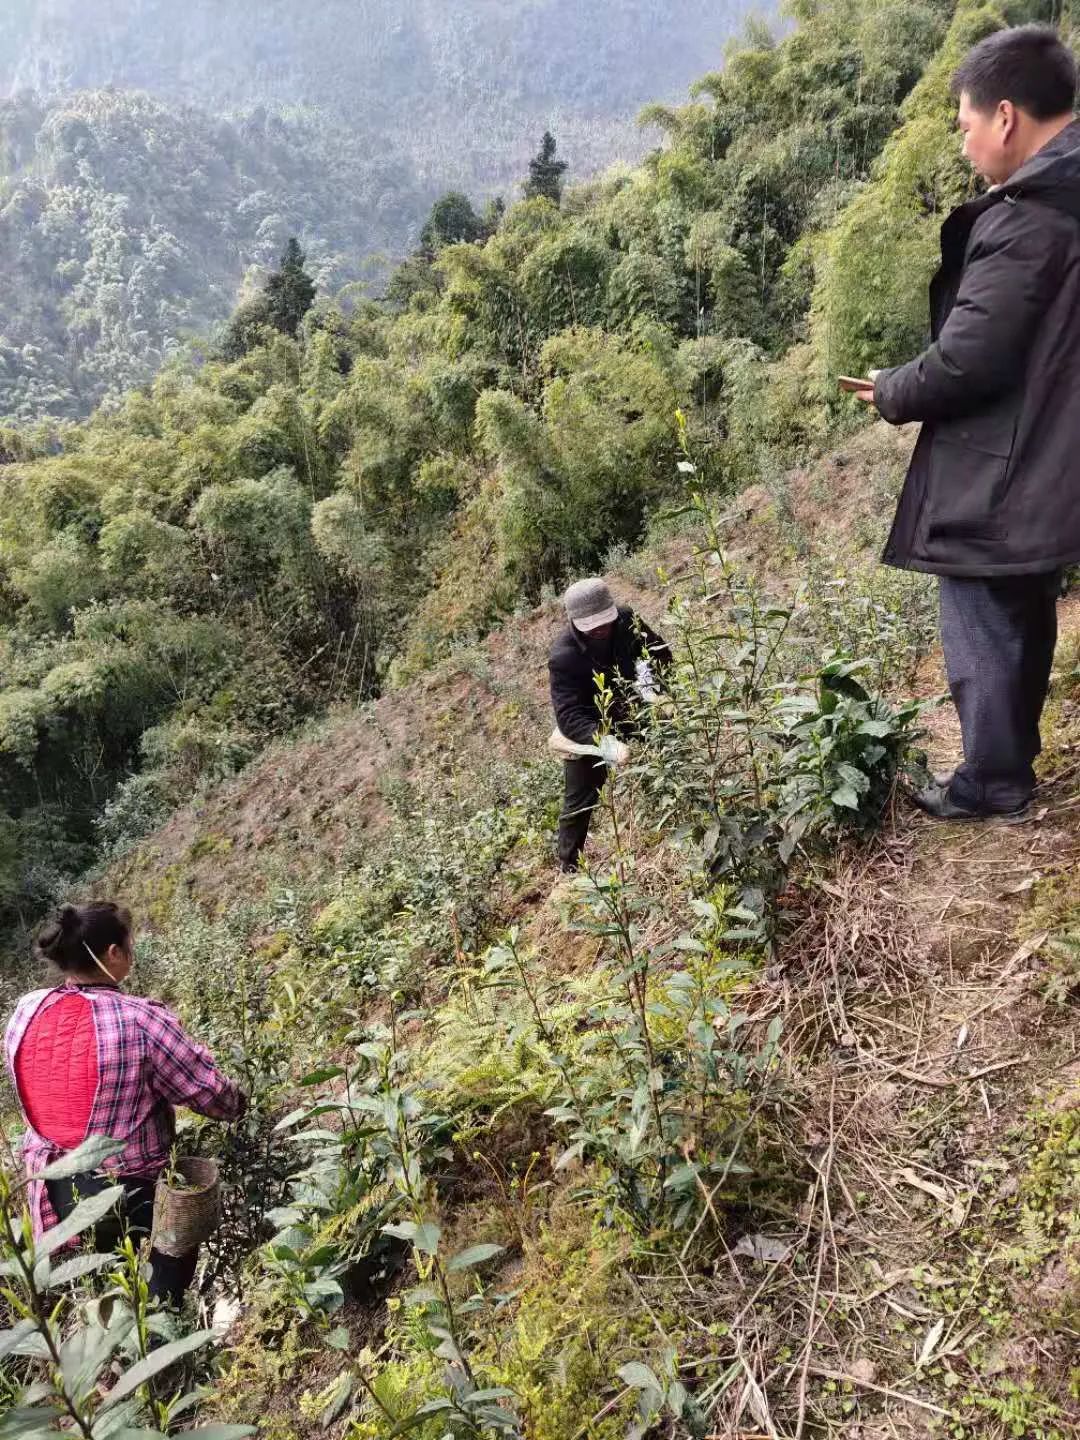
(56, 1070)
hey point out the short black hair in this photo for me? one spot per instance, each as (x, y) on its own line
(1029, 64)
(79, 934)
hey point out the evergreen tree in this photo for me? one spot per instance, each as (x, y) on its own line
(545, 172)
(290, 291)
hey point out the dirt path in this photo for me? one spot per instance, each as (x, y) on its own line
(932, 1064)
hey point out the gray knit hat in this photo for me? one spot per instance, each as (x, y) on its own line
(589, 604)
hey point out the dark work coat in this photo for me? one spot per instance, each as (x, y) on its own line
(572, 667)
(994, 483)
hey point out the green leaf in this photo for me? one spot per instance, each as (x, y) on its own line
(846, 796)
(88, 1349)
(574, 1152)
(292, 1118)
(676, 1399)
(338, 1338)
(85, 1214)
(284, 1217)
(427, 1237)
(640, 1377)
(86, 1158)
(682, 1176)
(33, 1422)
(401, 1230)
(154, 1363)
(856, 778)
(36, 1394)
(16, 1335)
(475, 1255)
(221, 1432)
(10, 1340)
(126, 1416)
(325, 1293)
(191, 1401)
(34, 1347)
(79, 1267)
(309, 1137)
(319, 1077)
(135, 1432)
(343, 1389)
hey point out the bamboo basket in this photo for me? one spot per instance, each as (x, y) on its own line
(184, 1218)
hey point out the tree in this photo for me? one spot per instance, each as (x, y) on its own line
(545, 172)
(290, 290)
(416, 275)
(494, 211)
(245, 330)
(452, 221)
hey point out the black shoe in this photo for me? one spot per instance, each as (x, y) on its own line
(935, 800)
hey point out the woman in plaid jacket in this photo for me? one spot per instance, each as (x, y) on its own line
(87, 1059)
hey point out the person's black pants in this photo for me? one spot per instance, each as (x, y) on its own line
(998, 636)
(170, 1275)
(584, 779)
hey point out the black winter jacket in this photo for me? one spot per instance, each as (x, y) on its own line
(572, 667)
(994, 483)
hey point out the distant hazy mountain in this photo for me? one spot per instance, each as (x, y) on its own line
(463, 84)
(151, 150)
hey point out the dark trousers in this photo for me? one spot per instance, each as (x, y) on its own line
(170, 1275)
(584, 779)
(998, 636)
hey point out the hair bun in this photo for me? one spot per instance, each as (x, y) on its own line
(78, 934)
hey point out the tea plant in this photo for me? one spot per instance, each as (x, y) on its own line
(746, 758)
(79, 1340)
(366, 1191)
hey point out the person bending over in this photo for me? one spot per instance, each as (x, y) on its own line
(600, 639)
(86, 1058)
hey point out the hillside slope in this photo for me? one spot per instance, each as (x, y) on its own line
(764, 1124)
(904, 1258)
(246, 541)
(304, 809)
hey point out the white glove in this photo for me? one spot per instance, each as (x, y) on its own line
(614, 751)
(645, 683)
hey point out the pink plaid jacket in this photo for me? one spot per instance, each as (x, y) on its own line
(147, 1064)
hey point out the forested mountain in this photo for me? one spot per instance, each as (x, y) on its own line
(304, 519)
(128, 217)
(126, 227)
(762, 1123)
(463, 86)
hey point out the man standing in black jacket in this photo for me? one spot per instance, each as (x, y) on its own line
(991, 503)
(600, 640)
